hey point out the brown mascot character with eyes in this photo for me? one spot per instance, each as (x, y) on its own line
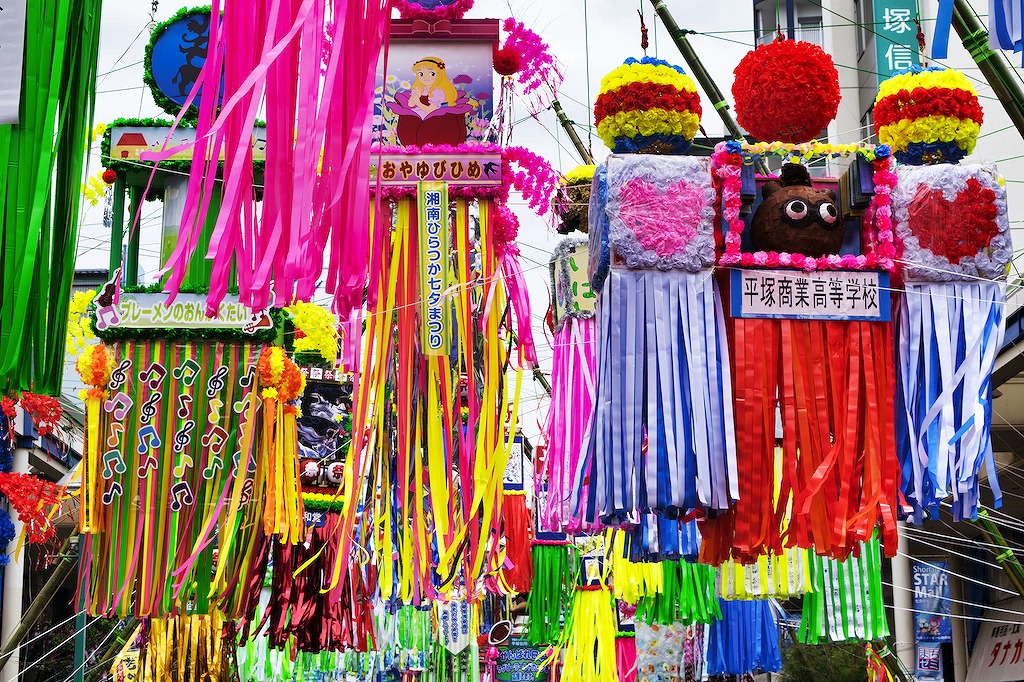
(794, 217)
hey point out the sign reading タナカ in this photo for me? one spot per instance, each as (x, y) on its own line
(793, 294)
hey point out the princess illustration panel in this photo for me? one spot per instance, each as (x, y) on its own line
(437, 87)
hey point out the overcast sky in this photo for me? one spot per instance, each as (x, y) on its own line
(611, 27)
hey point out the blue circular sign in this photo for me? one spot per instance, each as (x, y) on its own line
(175, 57)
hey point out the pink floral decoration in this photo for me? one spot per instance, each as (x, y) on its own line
(880, 250)
(645, 210)
(538, 67)
(414, 10)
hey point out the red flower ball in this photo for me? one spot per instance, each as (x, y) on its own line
(786, 91)
(109, 176)
(507, 61)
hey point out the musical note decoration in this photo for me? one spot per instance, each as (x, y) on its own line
(158, 491)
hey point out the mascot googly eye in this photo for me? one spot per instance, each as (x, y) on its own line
(795, 217)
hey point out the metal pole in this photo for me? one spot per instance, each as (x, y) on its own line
(701, 74)
(571, 131)
(131, 266)
(117, 225)
(993, 65)
(45, 596)
(80, 623)
(1006, 558)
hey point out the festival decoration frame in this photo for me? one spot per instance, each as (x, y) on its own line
(879, 251)
(952, 222)
(188, 72)
(451, 97)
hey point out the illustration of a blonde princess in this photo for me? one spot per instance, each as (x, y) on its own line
(432, 89)
(433, 110)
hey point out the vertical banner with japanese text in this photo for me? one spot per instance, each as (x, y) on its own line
(932, 627)
(433, 247)
(12, 57)
(896, 47)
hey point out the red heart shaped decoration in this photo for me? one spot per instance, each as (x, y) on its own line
(954, 229)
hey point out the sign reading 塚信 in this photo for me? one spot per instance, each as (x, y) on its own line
(895, 29)
(12, 55)
(455, 169)
(794, 294)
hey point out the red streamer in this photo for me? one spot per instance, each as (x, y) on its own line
(518, 523)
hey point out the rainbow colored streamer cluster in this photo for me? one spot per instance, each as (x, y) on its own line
(647, 106)
(929, 115)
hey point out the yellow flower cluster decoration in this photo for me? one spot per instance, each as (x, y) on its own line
(79, 332)
(962, 131)
(808, 150)
(579, 175)
(647, 106)
(947, 78)
(94, 189)
(627, 74)
(319, 329)
(646, 123)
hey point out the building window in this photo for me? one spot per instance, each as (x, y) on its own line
(810, 30)
(868, 127)
(865, 25)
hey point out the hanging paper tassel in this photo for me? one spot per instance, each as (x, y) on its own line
(625, 656)
(631, 581)
(746, 640)
(687, 596)
(518, 531)
(282, 383)
(780, 576)
(588, 642)
(661, 348)
(549, 593)
(188, 648)
(573, 368)
(949, 337)
(658, 538)
(846, 603)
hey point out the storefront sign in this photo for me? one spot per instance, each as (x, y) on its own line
(896, 46)
(433, 243)
(151, 311)
(12, 55)
(130, 143)
(929, 662)
(793, 294)
(454, 169)
(998, 654)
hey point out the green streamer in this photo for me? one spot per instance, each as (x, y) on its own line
(42, 163)
(687, 596)
(846, 602)
(549, 595)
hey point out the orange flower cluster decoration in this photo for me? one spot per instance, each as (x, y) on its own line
(94, 365)
(279, 376)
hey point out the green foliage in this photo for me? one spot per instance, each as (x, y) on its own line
(824, 662)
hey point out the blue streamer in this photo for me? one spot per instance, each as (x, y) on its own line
(746, 640)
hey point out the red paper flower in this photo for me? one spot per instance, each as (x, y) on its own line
(7, 407)
(954, 229)
(109, 176)
(33, 498)
(507, 61)
(44, 410)
(786, 91)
